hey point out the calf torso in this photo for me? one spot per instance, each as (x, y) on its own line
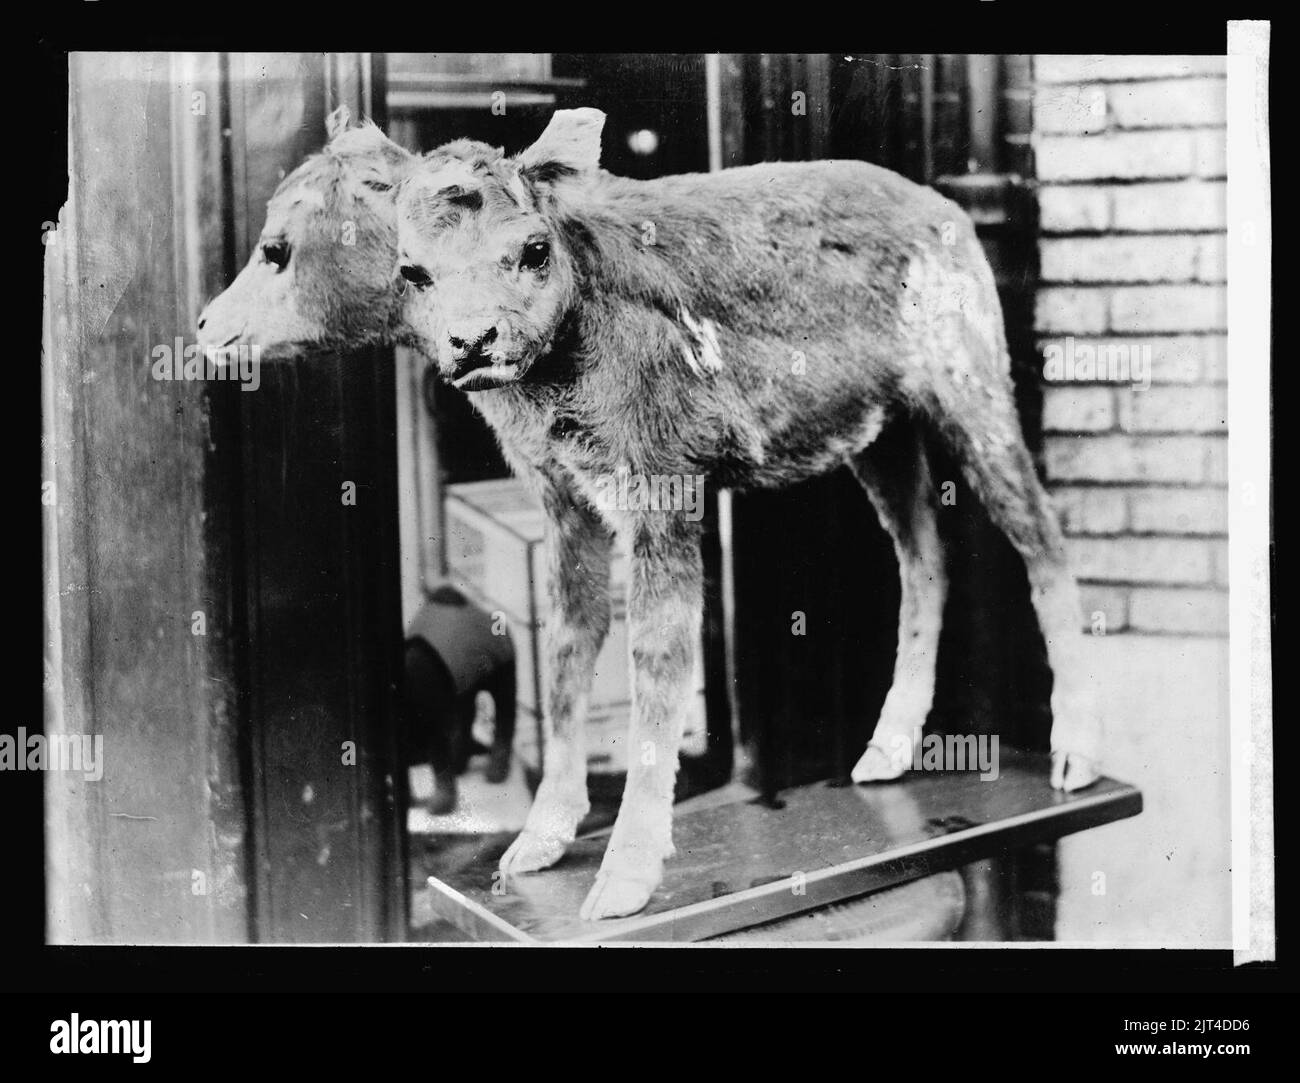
(754, 326)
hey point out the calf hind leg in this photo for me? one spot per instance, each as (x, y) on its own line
(984, 434)
(896, 474)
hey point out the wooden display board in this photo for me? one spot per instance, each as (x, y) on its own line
(743, 864)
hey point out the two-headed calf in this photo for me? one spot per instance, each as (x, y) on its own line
(751, 328)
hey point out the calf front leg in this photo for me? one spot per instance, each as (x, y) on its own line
(665, 598)
(578, 546)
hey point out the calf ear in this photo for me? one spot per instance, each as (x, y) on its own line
(570, 144)
(337, 122)
(369, 150)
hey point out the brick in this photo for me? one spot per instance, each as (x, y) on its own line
(1169, 103)
(1173, 409)
(1092, 67)
(1216, 461)
(1165, 359)
(1219, 559)
(1210, 153)
(1120, 259)
(1212, 258)
(1111, 602)
(1178, 511)
(1081, 310)
(1169, 308)
(1215, 369)
(1073, 208)
(1090, 511)
(1183, 611)
(1082, 360)
(1074, 408)
(1077, 110)
(1123, 156)
(1175, 459)
(1160, 208)
(1141, 560)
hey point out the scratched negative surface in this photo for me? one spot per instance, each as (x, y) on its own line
(736, 864)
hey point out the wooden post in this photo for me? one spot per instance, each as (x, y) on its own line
(138, 646)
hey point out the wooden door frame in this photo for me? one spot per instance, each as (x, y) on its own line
(184, 623)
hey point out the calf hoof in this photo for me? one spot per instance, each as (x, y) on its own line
(877, 765)
(529, 853)
(616, 895)
(1072, 771)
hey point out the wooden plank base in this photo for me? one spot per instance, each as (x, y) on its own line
(742, 864)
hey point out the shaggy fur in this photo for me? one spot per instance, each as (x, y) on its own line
(751, 327)
(334, 217)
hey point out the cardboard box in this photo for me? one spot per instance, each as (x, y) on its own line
(494, 553)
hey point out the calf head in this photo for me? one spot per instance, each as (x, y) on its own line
(321, 275)
(482, 245)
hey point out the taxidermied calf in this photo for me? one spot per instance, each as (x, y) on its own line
(321, 276)
(749, 328)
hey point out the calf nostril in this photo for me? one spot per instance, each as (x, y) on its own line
(202, 321)
(474, 344)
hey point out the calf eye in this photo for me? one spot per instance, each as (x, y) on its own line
(536, 256)
(276, 252)
(416, 275)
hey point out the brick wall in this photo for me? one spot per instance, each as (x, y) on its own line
(1131, 318)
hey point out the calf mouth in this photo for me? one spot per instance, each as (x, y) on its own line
(486, 376)
(223, 352)
(483, 371)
